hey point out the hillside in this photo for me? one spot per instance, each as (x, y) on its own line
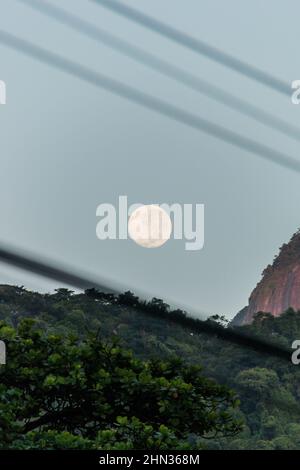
(268, 387)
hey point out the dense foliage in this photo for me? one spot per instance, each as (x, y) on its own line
(61, 391)
(268, 387)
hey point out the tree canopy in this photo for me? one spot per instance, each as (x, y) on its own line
(61, 391)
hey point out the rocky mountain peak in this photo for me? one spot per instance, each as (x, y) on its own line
(279, 287)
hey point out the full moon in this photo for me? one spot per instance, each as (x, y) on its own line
(150, 226)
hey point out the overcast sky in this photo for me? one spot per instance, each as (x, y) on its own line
(67, 146)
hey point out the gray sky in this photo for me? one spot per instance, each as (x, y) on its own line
(67, 146)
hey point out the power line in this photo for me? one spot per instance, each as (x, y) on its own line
(35, 266)
(231, 335)
(197, 45)
(39, 267)
(42, 268)
(163, 67)
(148, 101)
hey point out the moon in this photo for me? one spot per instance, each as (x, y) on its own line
(150, 226)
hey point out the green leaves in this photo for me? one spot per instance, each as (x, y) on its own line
(61, 392)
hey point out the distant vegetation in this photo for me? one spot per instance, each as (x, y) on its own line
(70, 381)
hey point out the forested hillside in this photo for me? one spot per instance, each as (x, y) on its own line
(268, 387)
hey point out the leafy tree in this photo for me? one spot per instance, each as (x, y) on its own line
(259, 381)
(268, 388)
(59, 391)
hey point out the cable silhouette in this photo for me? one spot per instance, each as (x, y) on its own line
(197, 45)
(37, 266)
(32, 264)
(163, 67)
(147, 101)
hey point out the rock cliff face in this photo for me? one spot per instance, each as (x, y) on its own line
(279, 287)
